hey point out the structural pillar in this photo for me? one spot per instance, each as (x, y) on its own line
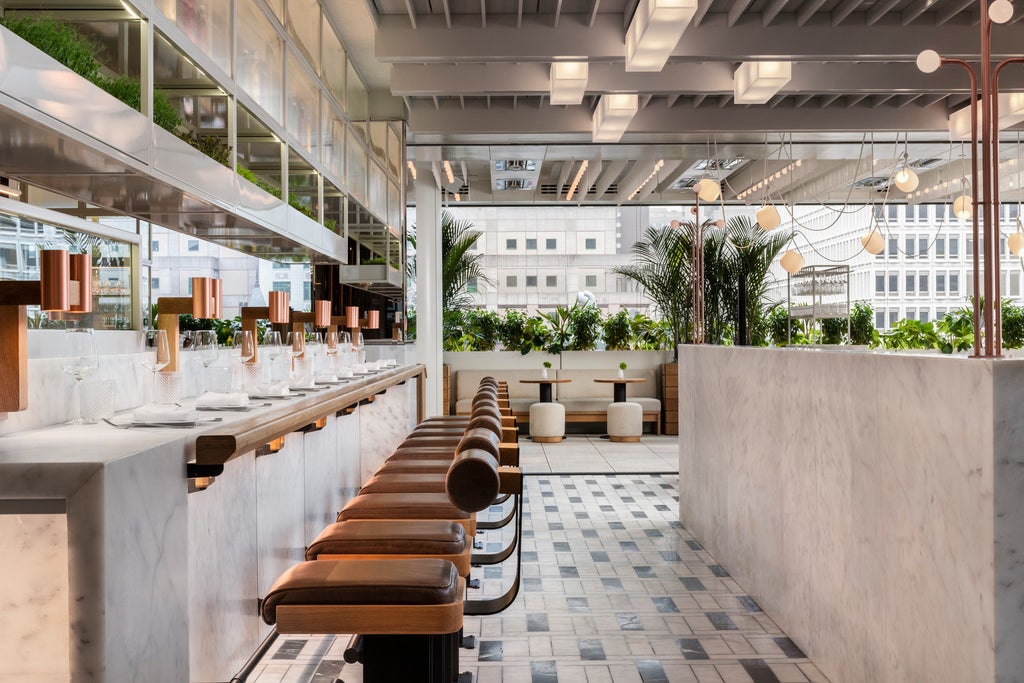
(429, 333)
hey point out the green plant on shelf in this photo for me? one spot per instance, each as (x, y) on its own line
(546, 364)
(622, 365)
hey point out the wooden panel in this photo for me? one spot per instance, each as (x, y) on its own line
(670, 397)
(14, 358)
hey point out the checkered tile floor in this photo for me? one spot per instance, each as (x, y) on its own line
(614, 590)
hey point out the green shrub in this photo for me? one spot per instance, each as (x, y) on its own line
(210, 145)
(862, 325)
(956, 330)
(61, 41)
(618, 333)
(912, 334)
(833, 330)
(1013, 326)
(536, 335)
(649, 334)
(584, 326)
(511, 330)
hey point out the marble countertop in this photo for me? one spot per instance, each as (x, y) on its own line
(51, 461)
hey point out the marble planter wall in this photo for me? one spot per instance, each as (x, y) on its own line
(861, 499)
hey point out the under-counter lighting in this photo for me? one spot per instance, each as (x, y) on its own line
(613, 115)
(655, 30)
(9, 191)
(758, 82)
(569, 82)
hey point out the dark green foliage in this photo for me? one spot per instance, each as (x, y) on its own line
(833, 330)
(558, 324)
(474, 330)
(584, 327)
(536, 335)
(61, 41)
(778, 318)
(862, 325)
(1013, 326)
(511, 330)
(617, 332)
(911, 334)
(956, 330)
(210, 145)
(650, 335)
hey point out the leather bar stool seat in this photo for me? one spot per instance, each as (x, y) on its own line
(410, 465)
(393, 539)
(404, 506)
(399, 482)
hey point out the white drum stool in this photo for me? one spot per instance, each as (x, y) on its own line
(547, 422)
(625, 421)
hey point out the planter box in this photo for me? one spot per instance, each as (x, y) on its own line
(379, 278)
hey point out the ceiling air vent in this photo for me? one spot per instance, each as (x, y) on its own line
(685, 183)
(718, 164)
(612, 189)
(513, 184)
(872, 183)
(549, 190)
(515, 165)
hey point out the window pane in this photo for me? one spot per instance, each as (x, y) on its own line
(259, 69)
(551, 244)
(910, 283)
(954, 247)
(922, 283)
(893, 283)
(940, 248)
(551, 281)
(531, 280)
(304, 26)
(879, 318)
(954, 283)
(510, 244)
(940, 283)
(334, 64)
(909, 247)
(205, 22)
(879, 283)
(511, 281)
(590, 243)
(591, 281)
(303, 113)
(894, 247)
(334, 145)
(531, 243)
(356, 166)
(282, 286)
(922, 246)
(471, 285)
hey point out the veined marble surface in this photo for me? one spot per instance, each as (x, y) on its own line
(163, 585)
(861, 499)
(382, 426)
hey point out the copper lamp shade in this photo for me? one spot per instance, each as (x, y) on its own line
(322, 313)
(216, 285)
(373, 320)
(81, 283)
(278, 305)
(202, 301)
(55, 272)
(351, 316)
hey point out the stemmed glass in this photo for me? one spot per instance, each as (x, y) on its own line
(206, 347)
(159, 357)
(296, 345)
(315, 347)
(80, 360)
(272, 350)
(360, 349)
(331, 349)
(243, 348)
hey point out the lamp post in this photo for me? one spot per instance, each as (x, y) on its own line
(990, 325)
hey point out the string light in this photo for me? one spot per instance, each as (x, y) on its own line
(412, 169)
(576, 180)
(448, 172)
(768, 179)
(657, 167)
(943, 185)
(457, 197)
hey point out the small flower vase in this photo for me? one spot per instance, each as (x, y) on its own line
(622, 373)
(543, 373)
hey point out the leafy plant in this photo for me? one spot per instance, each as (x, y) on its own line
(617, 331)
(862, 325)
(558, 322)
(584, 327)
(956, 331)
(650, 335)
(833, 330)
(62, 41)
(1013, 325)
(622, 365)
(911, 334)
(536, 335)
(511, 330)
(210, 145)
(546, 364)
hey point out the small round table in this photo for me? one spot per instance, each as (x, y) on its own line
(620, 386)
(545, 387)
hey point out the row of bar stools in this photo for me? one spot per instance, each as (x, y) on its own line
(413, 600)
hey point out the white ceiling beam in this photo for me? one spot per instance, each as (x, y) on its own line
(609, 174)
(702, 9)
(843, 10)
(593, 13)
(807, 10)
(589, 178)
(411, 11)
(675, 170)
(815, 41)
(641, 169)
(679, 78)
(769, 13)
(879, 10)
(736, 10)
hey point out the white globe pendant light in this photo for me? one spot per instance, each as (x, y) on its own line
(906, 180)
(1016, 243)
(768, 217)
(792, 262)
(873, 241)
(708, 190)
(963, 206)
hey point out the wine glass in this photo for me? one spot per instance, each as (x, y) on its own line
(296, 346)
(315, 347)
(155, 361)
(80, 360)
(360, 348)
(331, 350)
(272, 349)
(243, 349)
(206, 347)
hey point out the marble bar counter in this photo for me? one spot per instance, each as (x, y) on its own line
(113, 571)
(872, 504)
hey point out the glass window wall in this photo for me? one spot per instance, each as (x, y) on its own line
(335, 64)
(304, 27)
(303, 108)
(205, 23)
(259, 65)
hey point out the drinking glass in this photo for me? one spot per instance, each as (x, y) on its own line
(80, 360)
(315, 347)
(297, 348)
(206, 347)
(360, 348)
(272, 350)
(331, 350)
(243, 346)
(156, 360)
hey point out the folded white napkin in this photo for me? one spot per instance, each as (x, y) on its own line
(390, 363)
(213, 399)
(163, 413)
(345, 372)
(327, 378)
(272, 389)
(304, 383)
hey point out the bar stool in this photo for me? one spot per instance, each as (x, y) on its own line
(547, 422)
(625, 421)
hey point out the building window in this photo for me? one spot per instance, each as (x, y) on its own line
(590, 243)
(473, 247)
(922, 246)
(879, 283)
(193, 245)
(910, 283)
(531, 243)
(280, 265)
(954, 283)
(551, 281)
(30, 256)
(8, 256)
(1014, 284)
(155, 282)
(894, 247)
(511, 244)
(940, 248)
(922, 283)
(591, 281)
(954, 247)
(471, 285)
(307, 290)
(154, 246)
(909, 247)
(880, 319)
(924, 315)
(940, 313)
(278, 286)
(894, 315)
(550, 243)
(894, 286)
(911, 314)
(940, 283)
(511, 281)
(531, 280)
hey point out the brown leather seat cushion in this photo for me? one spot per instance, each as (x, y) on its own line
(402, 482)
(363, 582)
(401, 506)
(414, 465)
(416, 441)
(389, 537)
(404, 452)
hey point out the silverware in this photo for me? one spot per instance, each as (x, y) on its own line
(235, 409)
(169, 425)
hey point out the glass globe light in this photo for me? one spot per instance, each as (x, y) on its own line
(1000, 11)
(929, 61)
(792, 262)
(906, 179)
(963, 206)
(873, 242)
(708, 190)
(768, 217)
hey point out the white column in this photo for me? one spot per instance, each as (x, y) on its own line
(428, 285)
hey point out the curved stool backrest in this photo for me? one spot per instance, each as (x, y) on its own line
(472, 482)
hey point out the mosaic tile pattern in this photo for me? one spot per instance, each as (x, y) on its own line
(614, 590)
